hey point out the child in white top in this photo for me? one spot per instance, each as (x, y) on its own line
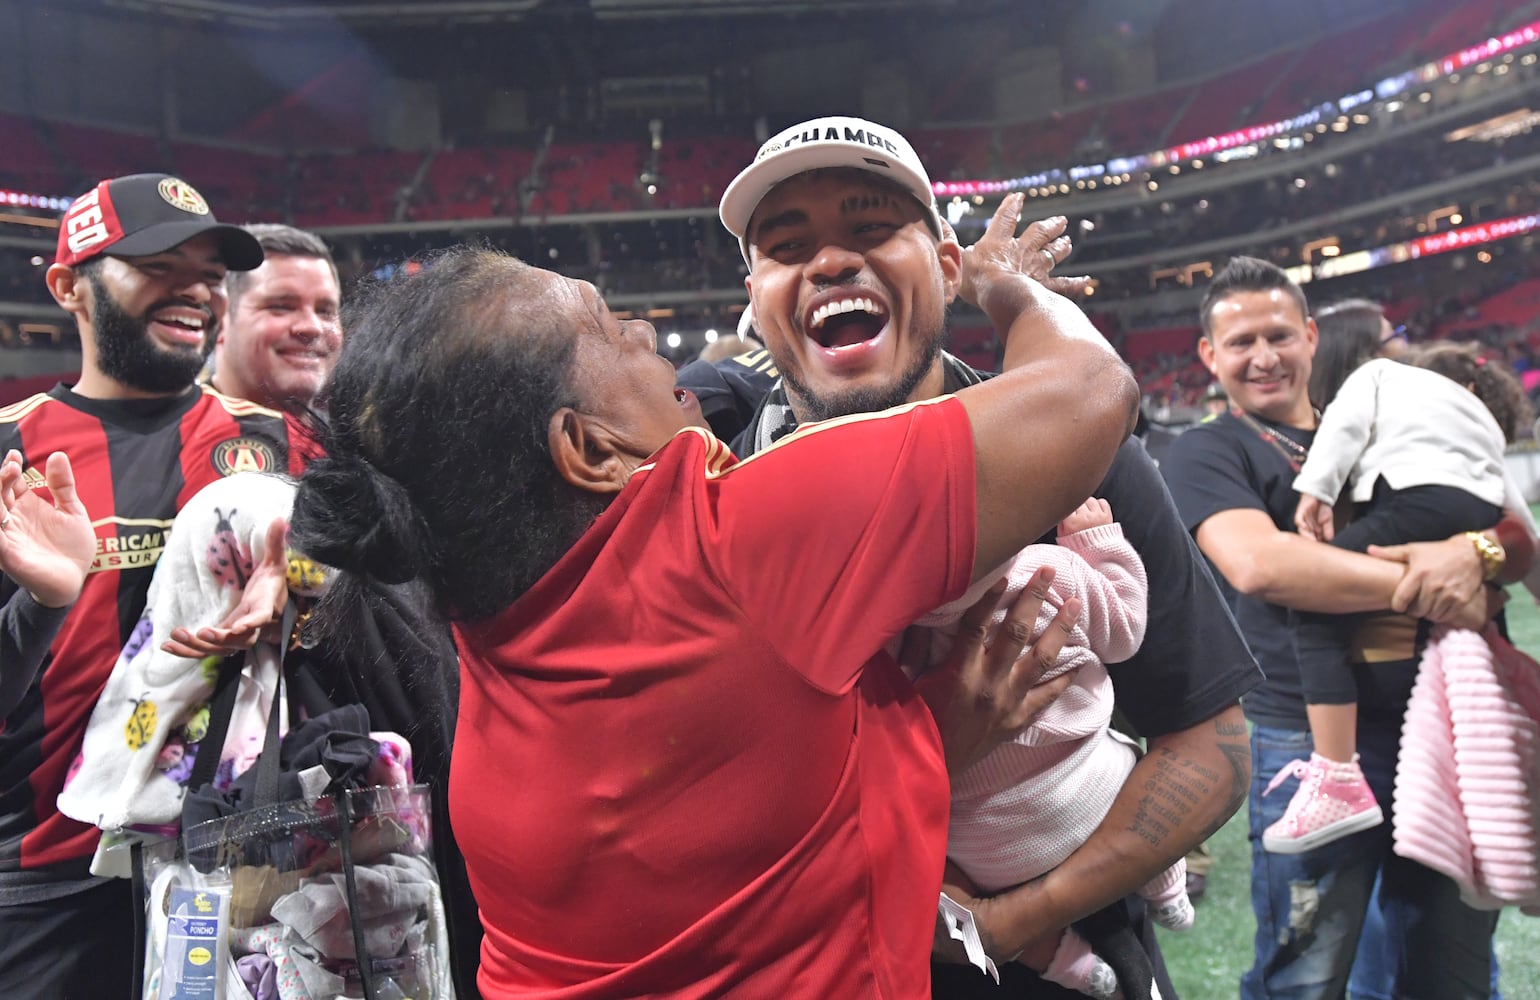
(1421, 446)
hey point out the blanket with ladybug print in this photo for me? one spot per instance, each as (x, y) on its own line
(146, 731)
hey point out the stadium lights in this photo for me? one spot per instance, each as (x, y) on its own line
(23, 199)
(711, 336)
(1482, 55)
(674, 340)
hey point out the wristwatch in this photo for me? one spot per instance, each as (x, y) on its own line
(1492, 555)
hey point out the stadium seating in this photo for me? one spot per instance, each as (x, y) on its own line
(619, 174)
(28, 163)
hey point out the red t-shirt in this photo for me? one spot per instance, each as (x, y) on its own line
(683, 764)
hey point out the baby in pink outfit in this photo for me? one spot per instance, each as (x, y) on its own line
(1028, 805)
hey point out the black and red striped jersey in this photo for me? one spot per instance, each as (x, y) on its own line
(136, 463)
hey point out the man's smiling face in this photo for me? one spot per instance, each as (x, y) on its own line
(850, 290)
(1260, 346)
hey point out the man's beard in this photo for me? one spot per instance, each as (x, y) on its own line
(125, 352)
(870, 398)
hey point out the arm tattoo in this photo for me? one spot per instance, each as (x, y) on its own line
(1238, 756)
(1180, 788)
(1170, 794)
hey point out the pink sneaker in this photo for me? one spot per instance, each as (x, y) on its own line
(1332, 801)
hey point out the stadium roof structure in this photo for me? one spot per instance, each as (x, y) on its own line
(283, 14)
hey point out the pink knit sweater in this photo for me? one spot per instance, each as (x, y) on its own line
(1469, 769)
(1030, 803)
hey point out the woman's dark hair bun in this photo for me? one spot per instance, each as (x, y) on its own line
(350, 515)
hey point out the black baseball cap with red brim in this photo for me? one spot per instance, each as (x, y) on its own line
(144, 214)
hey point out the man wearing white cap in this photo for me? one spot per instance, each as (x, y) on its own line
(847, 258)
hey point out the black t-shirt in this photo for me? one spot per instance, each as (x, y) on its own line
(1193, 662)
(729, 391)
(1222, 465)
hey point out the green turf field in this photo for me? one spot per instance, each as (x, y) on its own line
(1207, 962)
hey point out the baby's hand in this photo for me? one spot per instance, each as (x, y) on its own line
(1094, 513)
(1313, 518)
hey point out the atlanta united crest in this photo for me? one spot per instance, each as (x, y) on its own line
(180, 194)
(244, 454)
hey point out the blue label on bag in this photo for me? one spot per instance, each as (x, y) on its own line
(194, 925)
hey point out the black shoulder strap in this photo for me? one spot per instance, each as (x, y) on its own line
(221, 708)
(268, 770)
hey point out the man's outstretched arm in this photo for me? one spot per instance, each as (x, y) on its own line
(1185, 788)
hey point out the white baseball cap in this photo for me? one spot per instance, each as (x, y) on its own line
(826, 142)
